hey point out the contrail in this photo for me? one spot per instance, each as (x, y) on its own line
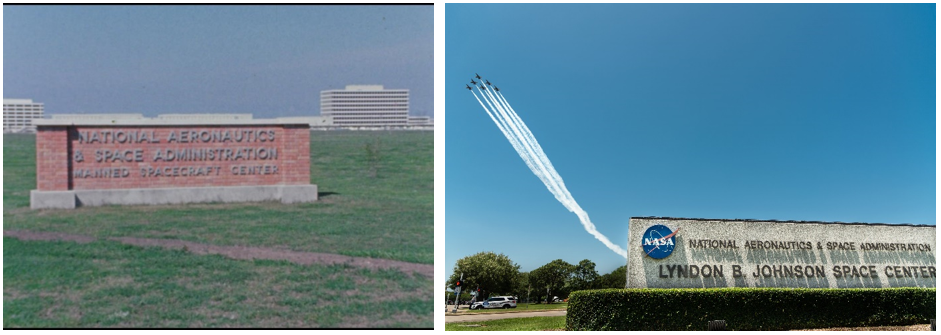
(530, 151)
(525, 144)
(531, 139)
(513, 140)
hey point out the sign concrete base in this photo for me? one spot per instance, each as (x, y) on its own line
(176, 195)
(51, 199)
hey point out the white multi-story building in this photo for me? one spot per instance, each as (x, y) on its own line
(365, 106)
(18, 115)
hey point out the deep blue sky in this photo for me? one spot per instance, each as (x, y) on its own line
(267, 60)
(768, 111)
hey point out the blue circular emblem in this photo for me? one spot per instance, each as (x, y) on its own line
(659, 241)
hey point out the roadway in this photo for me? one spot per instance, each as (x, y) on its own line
(464, 316)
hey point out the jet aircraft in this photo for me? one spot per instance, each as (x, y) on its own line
(468, 87)
(478, 76)
(483, 88)
(473, 82)
(488, 82)
(496, 88)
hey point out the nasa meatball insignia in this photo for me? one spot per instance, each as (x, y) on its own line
(659, 241)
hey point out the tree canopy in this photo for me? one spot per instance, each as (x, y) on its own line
(492, 272)
(496, 274)
(584, 276)
(615, 279)
(550, 277)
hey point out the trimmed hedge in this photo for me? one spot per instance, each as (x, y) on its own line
(747, 308)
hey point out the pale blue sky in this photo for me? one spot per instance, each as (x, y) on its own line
(267, 60)
(816, 112)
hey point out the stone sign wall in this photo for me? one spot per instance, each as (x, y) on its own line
(703, 253)
(153, 161)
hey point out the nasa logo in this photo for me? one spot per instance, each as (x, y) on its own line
(659, 241)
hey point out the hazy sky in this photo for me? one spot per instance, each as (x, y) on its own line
(267, 60)
(769, 111)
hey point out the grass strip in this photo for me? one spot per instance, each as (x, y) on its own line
(109, 284)
(536, 323)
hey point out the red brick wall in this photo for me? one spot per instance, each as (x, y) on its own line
(58, 159)
(297, 155)
(52, 159)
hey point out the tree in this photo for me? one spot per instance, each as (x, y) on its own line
(584, 276)
(551, 277)
(523, 287)
(615, 279)
(492, 272)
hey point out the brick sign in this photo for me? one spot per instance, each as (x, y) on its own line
(703, 253)
(154, 162)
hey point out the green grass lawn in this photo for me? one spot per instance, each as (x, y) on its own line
(107, 284)
(533, 323)
(377, 200)
(383, 209)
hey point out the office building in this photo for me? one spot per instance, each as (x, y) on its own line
(365, 106)
(18, 115)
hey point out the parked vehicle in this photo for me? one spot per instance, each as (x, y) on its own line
(477, 305)
(500, 302)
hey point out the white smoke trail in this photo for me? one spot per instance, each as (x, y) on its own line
(525, 144)
(570, 203)
(513, 140)
(540, 169)
(532, 140)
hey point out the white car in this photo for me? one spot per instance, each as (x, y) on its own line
(477, 305)
(500, 302)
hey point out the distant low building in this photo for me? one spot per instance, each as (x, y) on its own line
(103, 116)
(198, 117)
(323, 122)
(419, 120)
(18, 115)
(315, 122)
(206, 116)
(421, 123)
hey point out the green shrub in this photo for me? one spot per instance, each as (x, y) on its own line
(747, 308)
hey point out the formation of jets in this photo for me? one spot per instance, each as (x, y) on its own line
(482, 87)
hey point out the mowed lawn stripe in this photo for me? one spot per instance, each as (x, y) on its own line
(109, 284)
(236, 252)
